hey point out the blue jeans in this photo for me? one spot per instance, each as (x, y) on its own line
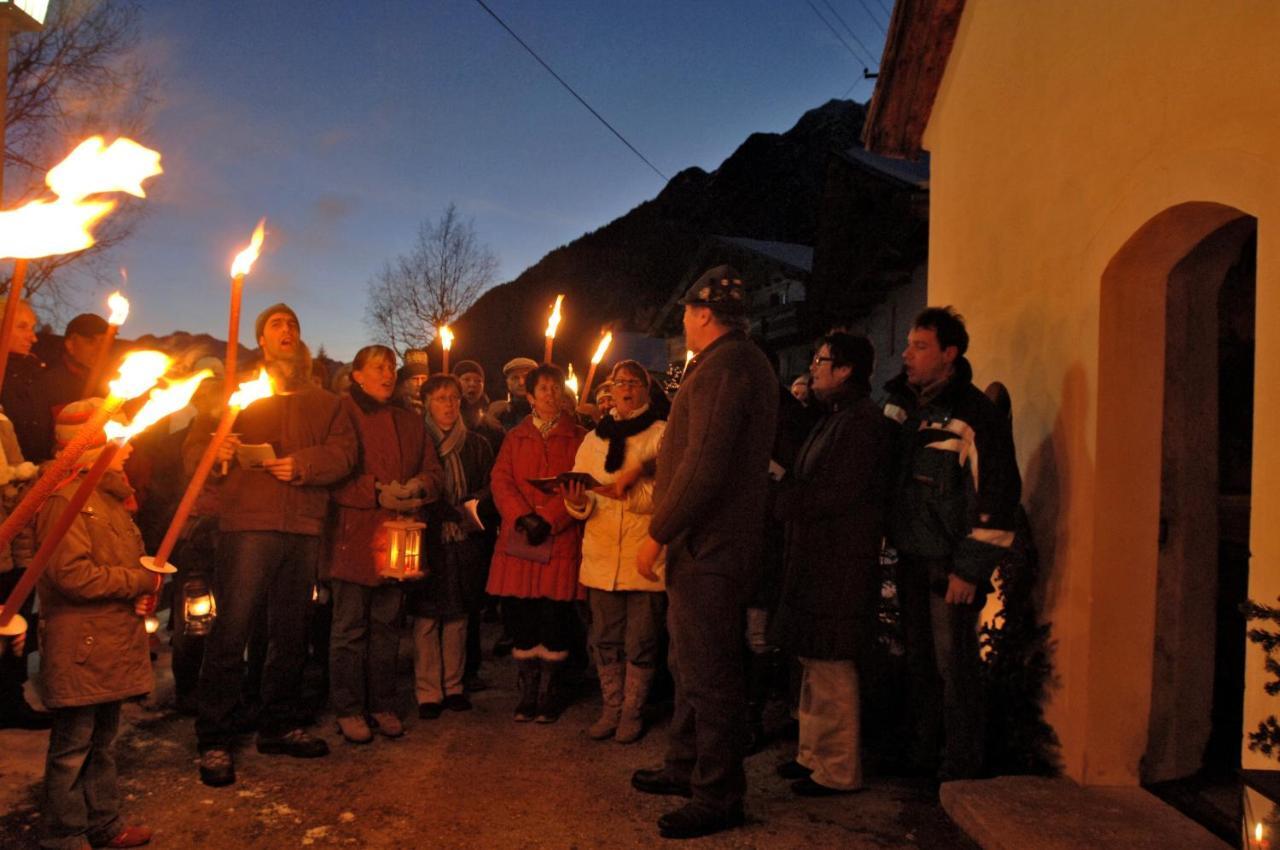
(260, 574)
(81, 801)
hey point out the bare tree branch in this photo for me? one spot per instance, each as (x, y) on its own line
(434, 283)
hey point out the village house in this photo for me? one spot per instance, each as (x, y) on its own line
(1103, 179)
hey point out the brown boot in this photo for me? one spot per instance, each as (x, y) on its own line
(611, 676)
(634, 694)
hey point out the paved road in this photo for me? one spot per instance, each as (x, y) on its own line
(472, 780)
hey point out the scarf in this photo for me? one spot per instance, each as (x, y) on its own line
(544, 426)
(616, 432)
(448, 447)
(364, 401)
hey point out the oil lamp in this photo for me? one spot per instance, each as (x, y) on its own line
(198, 606)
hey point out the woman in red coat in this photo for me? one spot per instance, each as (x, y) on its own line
(397, 472)
(535, 564)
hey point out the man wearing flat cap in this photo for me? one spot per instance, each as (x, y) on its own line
(271, 519)
(516, 407)
(67, 377)
(709, 511)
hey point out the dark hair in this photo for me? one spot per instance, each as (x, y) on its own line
(633, 367)
(369, 352)
(437, 382)
(854, 351)
(734, 321)
(947, 324)
(546, 370)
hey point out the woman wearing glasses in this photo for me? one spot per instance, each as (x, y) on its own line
(626, 609)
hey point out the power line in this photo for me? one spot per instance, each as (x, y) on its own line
(852, 34)
(864, 62)
(874, 18)
(569, 89)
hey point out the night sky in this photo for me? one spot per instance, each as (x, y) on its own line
(346, 124)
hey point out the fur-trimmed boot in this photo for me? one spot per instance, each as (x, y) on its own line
(634, 694)
(611, 676)
(528, 675)
(550, 699)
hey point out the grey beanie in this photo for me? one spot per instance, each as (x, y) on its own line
(268, 313)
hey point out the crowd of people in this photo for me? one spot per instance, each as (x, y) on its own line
(739, 524)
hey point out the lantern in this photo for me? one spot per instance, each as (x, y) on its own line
(151, 624)
(404, 550)
(198, 606)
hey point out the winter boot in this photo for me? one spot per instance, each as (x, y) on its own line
(528, 672)
(550, 700)
(636, 691)
(611, 693)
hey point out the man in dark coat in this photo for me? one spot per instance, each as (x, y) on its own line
(80, 346)
(951, 517)
(271, 520)
(832, 500)
(709, 505)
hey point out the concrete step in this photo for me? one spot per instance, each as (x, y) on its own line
(1037, 813)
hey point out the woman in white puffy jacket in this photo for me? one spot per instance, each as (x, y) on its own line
(627, 610)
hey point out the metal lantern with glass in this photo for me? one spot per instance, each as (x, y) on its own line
(403, 554)
(198, 606)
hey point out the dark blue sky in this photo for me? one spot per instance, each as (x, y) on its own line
(346, 124)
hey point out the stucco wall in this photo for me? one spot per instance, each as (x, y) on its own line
(1060, 129)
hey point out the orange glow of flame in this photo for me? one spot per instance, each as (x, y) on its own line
(571, 382)
(688, 355)
(119, 308)
(554, 321)
(251, 391)
(45, 228)
(1257, 832)
(138, 373)
(602, 348)
(162, 403)
(446, 337)
(95, 167)
(245, 259)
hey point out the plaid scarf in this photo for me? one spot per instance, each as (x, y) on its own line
(448, 447)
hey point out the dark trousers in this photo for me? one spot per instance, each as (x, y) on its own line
(13, 668)
(539, 622)
(261, 574)
(944, 669)
(363, 646)
(705, 617)
(81, 798)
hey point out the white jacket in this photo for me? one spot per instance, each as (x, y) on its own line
(615, 529)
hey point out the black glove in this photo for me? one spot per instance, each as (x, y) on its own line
(535, 528)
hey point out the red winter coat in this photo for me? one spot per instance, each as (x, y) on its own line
(524, 455)
(393, 447)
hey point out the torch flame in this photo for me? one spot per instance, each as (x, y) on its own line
(94, 167)
(602, 348)
(251, 391)
(245, 259)
(119, 308)
(162, 403)
(571, 382)
(45, 228)
(139, 373)
(554, 321)
(446, 337)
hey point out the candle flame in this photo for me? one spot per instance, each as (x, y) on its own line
(688, 355)
(251, 391)
(571, 382)
(95, 167)
(162, 403)
(605, 342)
(1257, 831)
(138, 373)
(245, 259)
(554, 321)
(119, 308)
(446, 337)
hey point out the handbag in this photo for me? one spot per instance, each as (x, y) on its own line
(518, 546)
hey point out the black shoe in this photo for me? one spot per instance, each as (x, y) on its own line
(474, 684)
(23, 716)
(793, 770)
(808, 788)
(430, 710)
(217, 768)
(694, 821)
(296, 743)
(457, 702)
(658, 781)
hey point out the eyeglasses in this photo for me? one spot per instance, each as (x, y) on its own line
(628, 383)
(818, 360)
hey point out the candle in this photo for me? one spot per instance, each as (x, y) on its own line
(605, 341)
(446, 343)
(119, 312)
(249, 392)
(240, 267)
(138, 373)
(161, 404)
(553, 322)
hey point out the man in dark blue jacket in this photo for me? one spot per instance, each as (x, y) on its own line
(951, 520)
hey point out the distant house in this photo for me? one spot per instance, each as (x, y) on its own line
(1104, 192)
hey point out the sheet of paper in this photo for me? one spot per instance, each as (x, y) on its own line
(252, 455)
(469, 510)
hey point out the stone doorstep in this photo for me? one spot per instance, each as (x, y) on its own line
(1024, 812)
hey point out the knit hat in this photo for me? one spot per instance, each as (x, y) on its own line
(467, 367)
(87, 324)
(72, 417)
(416, 362)
(719, 288)
(268, 313)
(518, 363)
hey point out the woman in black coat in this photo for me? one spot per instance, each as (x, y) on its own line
(833, 504)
